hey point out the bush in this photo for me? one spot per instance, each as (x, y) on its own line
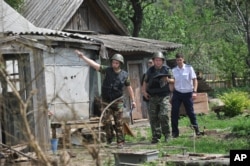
(235, 102)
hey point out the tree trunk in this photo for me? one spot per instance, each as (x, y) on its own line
(137, 17)
(248, 34)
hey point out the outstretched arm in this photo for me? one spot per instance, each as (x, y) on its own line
(90, 62)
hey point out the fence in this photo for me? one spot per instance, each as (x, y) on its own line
(214, 81)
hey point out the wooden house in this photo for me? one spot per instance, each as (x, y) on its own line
(37, 51)
(94, 19)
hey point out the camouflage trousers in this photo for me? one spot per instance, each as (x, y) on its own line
(114, 112)
(158, 116)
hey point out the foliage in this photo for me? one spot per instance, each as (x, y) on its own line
(131, 12)
(235, 102)
(15, 3)
(212, 38)
(237, 12)
(230, 57)
(220, 91)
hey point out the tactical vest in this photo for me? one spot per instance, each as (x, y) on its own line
(113, 83)
(154, 83)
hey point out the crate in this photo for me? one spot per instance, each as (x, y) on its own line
(200, 105)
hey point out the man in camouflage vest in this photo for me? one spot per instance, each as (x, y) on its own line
(112, 88)
(156, 89)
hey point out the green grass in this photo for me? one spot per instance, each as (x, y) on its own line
(229, 134)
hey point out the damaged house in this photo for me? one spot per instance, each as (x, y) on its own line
(37, 51)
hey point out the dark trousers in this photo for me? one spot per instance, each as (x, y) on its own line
(186, 99)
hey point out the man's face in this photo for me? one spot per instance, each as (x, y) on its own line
(158, 62)
(179, 61)
(115, 64)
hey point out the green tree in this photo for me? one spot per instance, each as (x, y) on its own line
(210, 42)
(237, 13)
(131, 12)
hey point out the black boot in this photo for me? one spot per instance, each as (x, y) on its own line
(196, 129)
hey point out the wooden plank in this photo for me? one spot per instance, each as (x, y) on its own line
(127, 130)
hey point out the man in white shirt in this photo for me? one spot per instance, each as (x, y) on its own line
(185, 91)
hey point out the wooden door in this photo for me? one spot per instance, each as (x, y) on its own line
(135, 74)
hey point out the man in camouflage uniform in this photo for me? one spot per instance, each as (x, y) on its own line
(156, 89)
(112, 88)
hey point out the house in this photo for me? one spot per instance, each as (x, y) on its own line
(37, 50)
(94, 19)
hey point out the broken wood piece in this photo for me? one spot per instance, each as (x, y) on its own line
(127, 130)
(19, 147)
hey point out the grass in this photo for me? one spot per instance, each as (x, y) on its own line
(227, 134)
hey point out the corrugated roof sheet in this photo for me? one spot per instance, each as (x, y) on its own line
(126, 43)
(113, 42)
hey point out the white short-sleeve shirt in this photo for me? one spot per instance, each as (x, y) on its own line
(184, 78)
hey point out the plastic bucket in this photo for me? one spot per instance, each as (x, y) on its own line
(54, 145)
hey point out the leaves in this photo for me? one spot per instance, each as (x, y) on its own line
(235, 102)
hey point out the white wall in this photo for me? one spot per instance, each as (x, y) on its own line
(67, 86)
